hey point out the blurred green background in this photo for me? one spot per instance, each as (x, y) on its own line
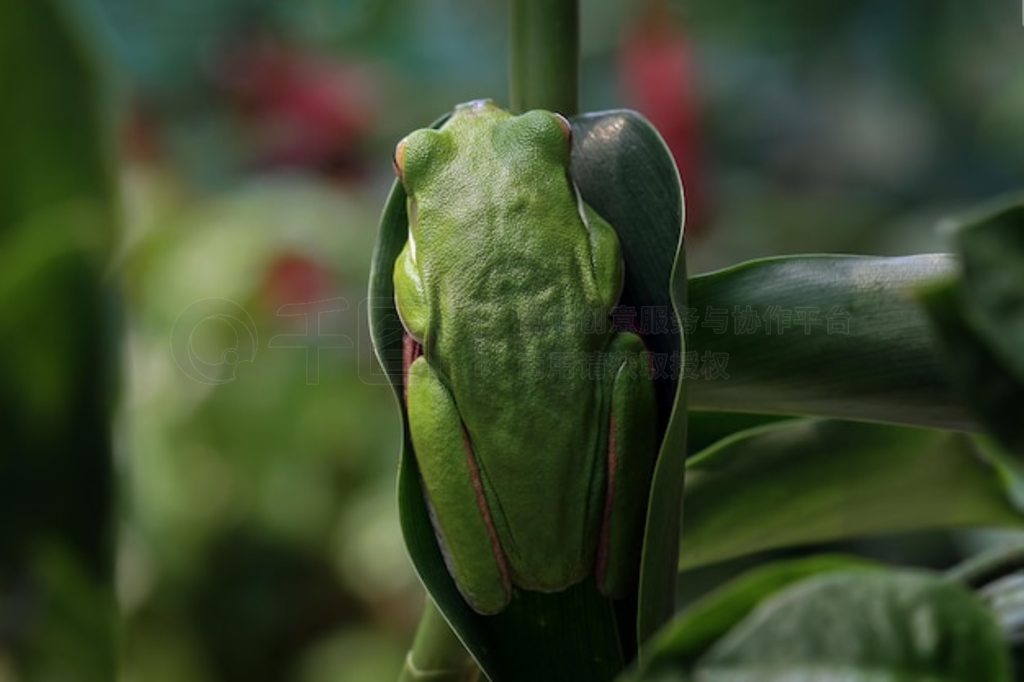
(254, 445)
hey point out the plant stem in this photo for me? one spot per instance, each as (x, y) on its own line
(544, 55)
(437, 654)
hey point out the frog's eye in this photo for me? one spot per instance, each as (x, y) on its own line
(398, 160)
(563, 122)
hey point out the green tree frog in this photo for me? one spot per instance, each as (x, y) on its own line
(532, 419)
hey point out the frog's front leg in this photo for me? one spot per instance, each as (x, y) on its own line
(455, 494)
(410, 295)
(632, 441)
(606, 257)
(413, 307)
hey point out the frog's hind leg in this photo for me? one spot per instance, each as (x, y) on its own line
(454, 491)
(632, 441)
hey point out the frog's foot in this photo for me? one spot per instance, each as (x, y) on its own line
(454, 491)
(632, 441)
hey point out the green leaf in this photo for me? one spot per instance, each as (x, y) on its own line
(692, 632)
(807, 481)
(1009, 467)
(863, 626)
(1005, 597)
(997, 576)
(625, 172)
(994, 563)
(991, 245)
(985, 381)
(704, 429)
(979, 319)
(830, 336)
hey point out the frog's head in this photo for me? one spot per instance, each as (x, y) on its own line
(479, 138)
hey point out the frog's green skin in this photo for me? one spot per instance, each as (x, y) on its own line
(531, 419)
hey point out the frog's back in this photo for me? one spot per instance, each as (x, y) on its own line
(518, 322)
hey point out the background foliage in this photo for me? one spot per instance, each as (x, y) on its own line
(257, 531)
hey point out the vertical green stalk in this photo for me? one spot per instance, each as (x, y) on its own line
(437, 654)
(544, 55)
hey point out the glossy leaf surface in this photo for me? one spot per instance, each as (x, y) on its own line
(693, 631)
(863, 626)
(827, 336)
(806, 481)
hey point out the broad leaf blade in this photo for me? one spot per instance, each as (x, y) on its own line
(704, 429)
(692, 632)
(576, 634)
(997, 576)
(991, 245)
(989, 565)
(808, 481)
(978, 318)
(991, 387)
(1005, 596)
(864, 626)
(831, 336)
